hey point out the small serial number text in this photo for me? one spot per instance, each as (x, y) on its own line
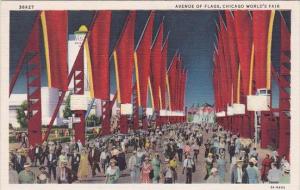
(277, 187)
(26, 7)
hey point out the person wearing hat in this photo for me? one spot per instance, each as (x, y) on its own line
(180, 149)
(168, 173)
(121, 159)
(145, 170)
(284, 163)
(52, 164)
(94, 159)
(285, 178)
(196, 149)
(221, 166)
(62, 158)
(26, 176)
(103, 159)
(252, 170)
(134, 168)
(274, 173)
(83, 169)
(65, 174)
(188, 165)
(238, 173)
(266, 166)
(213, 177)
(209, 164)
(43, 176)
(112, 172)
(156, 165)
(75, 160)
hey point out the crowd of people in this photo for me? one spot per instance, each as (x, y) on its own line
(159, 155)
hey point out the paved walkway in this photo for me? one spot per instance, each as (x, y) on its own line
(198, 176)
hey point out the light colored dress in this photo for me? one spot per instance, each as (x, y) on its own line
(146, 169)
(213, 179)
(112, 174)
(156, 169)
(221, 166)
(83, 169)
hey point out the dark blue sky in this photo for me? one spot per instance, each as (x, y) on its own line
(191, 32)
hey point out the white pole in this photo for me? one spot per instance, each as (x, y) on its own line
(256, 128)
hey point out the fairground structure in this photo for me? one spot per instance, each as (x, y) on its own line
(242, 75)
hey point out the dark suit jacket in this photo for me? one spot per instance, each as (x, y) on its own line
(53, 161)
(75, 160)
(96, 157)
(39, 152)
(19, 163)
(234, 175)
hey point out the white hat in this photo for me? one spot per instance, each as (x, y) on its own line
(213, 170)
(287, 169)
(253, 160)
(26, 165)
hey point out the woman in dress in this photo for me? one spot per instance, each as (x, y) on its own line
(146, 169)
(266, 166)
(156, 168)
(221, 166)
(209, 165)
(83, 169)
(214, 177)
(112, 173)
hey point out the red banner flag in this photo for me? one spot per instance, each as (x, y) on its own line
(55, 33)
(243, 29)
(156, 66)
(223, 72)
(123, 58)
(232, 49)
(184, 89)
(98, 47)
(178, 84)
(163, 71)
(143, 53)
(172, 81)
(226, 65)
(261, 21)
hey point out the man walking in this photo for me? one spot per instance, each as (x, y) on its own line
(134, 168)
(94, 159)
(26, 176)
(188, 165)
(51, 164)
(75, 160)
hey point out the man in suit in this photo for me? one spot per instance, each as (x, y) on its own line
(239, 174)
(94, 159)
(52, 164)
(45, 152)
(20, 161)
(38, 153)
(75, 160)
(65, 175)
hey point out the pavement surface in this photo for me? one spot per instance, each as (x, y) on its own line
(198, 176)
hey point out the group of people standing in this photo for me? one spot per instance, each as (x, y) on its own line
(170, 154)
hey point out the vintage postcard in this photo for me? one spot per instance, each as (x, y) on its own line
(156, 95)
